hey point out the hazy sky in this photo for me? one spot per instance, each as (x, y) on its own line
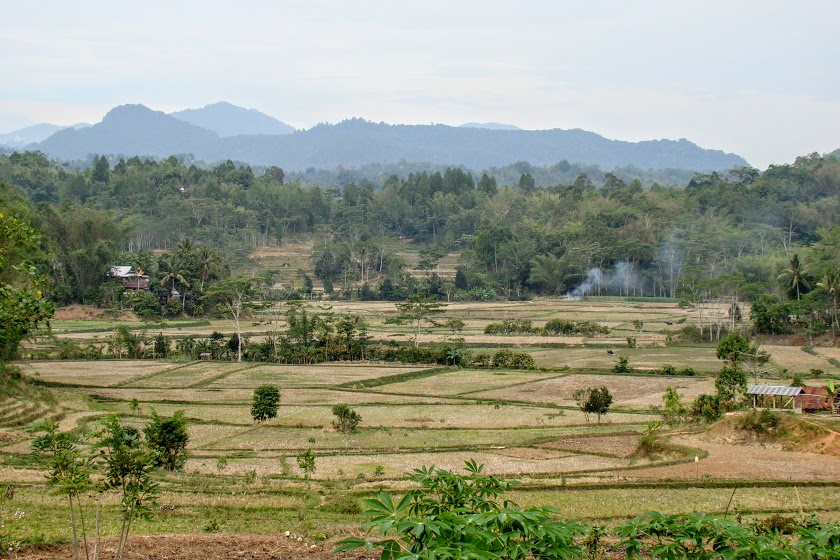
(758, 78)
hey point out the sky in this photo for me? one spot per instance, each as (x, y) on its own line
(756, 78)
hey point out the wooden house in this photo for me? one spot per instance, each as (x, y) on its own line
(129, 278)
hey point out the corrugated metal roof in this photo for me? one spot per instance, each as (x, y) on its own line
(781, 390)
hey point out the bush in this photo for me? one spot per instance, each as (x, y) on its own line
(623, 365)
(706, 407)
(759, 422)
(567, 328)
(511, 326)
(512, 360)
(168, 438)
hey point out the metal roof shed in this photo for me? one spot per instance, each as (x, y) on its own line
(762, 393)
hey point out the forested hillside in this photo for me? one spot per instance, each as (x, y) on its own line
(743, 234)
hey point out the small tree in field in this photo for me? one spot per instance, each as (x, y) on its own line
(346, 419)
(306, 462)
(593, 401)
(168, 437)
(265, 404)
(417, 311)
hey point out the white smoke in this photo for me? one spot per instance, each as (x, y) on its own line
(623, 279)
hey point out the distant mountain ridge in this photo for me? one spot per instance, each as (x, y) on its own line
(137, 130)
(35, 133)
(226, 119)
(490, 126)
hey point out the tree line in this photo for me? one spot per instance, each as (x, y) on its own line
(738, 235)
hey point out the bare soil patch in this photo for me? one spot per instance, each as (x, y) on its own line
(77, 312)
(747, 462)
(199, 546)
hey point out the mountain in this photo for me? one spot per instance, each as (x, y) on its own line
(130, 130)
(490, 126)
(229, 120)
(34, 133)
(136, 130)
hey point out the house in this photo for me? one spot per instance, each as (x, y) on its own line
(129, 278)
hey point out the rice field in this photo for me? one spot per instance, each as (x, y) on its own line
(520, 424)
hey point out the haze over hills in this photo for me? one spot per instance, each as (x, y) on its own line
(227, 119)
(491, 126)
(137, 130)
(35, 133)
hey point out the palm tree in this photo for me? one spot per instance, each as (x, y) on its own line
(174, 274)
(209, 264)
(831, 285)
(796, 273)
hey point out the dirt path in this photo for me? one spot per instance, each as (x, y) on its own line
(747, 462)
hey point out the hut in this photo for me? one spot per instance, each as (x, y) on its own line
(776, 397)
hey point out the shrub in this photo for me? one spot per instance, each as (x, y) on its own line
(759, 422)
(623, 365)
(706, 407)
(168, 437)
(459, 516)
(512, 360)
(511, 326)
(567, 328)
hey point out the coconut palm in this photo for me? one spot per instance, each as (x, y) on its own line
(795, 274)
(209, 264)
(830, 283)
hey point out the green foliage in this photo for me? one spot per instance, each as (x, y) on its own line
(168, 438)
(23, 306)
(623, 365)
(731, 385)
(506, 359)
(418, 311)
(459, 516)
(759, 422)
(732, 346)
(707, 407)
(306, 463)
(127, 463)
(265, 403)
(346, 419)
(674, 410)
(559, 327)
(593, 401)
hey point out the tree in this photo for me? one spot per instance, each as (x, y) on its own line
(593, 401)
(417, 311)
(346, 419)
(830, 284)
(128, 464)
(265, 404)
(23, 307)
(731, 383)
(168, 437)
(234, 297)
(69, 470)
(795, 275)
(306, 462)
(674, 411)
(732, 346)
